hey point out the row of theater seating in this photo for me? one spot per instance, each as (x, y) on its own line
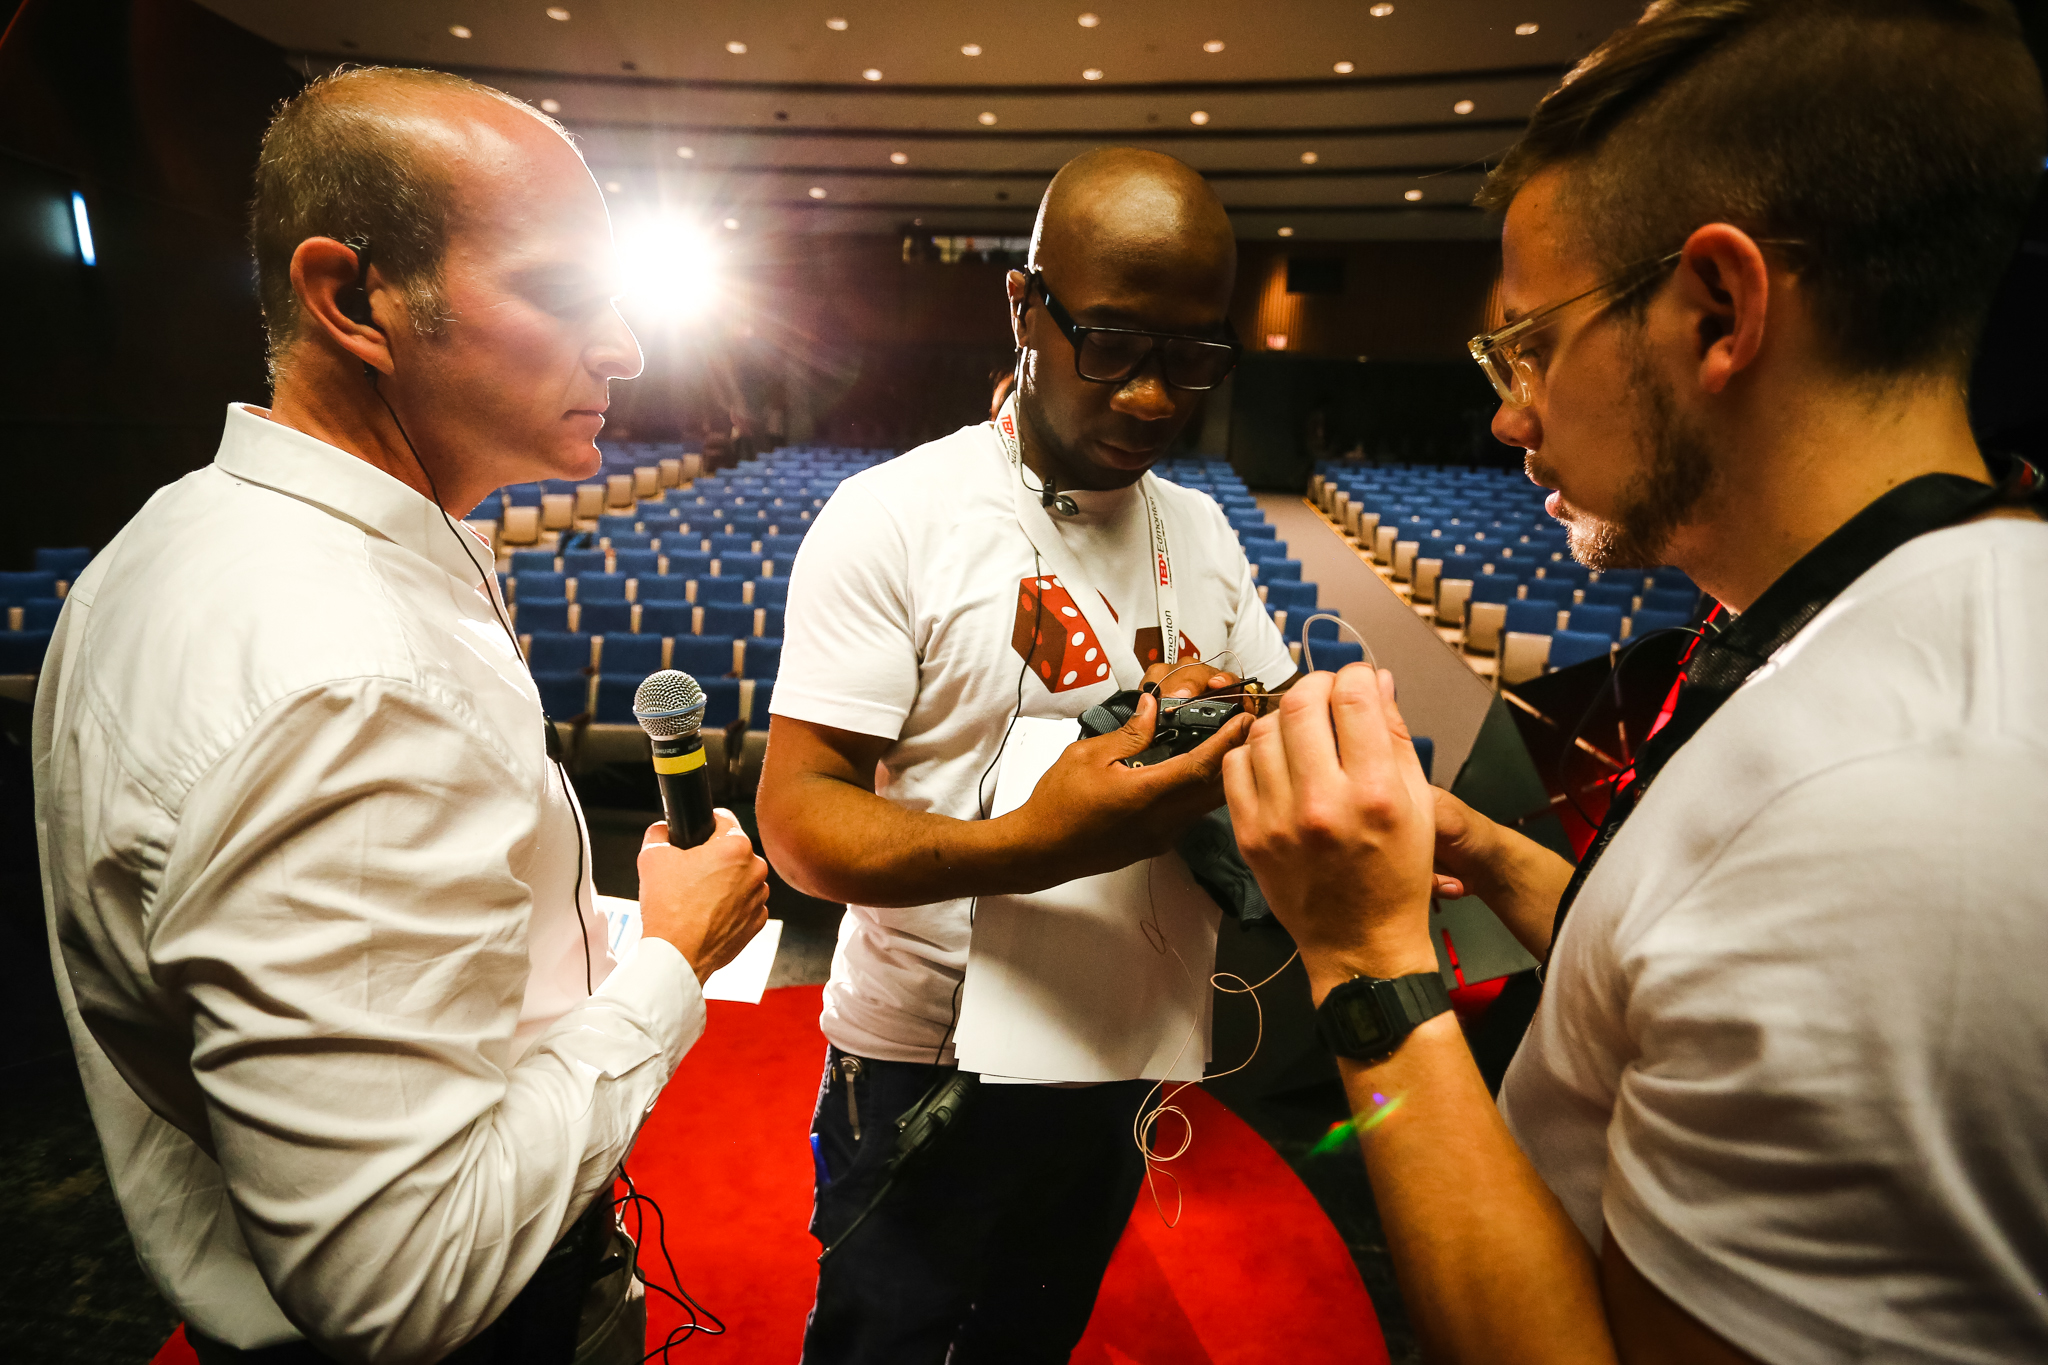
(31, 600)
(1477, 548)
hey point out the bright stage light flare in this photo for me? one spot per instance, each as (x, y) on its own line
(672, 269)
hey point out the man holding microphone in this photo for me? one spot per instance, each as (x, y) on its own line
(1784, 1098)
(362, 1064)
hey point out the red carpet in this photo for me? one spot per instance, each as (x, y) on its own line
(1253, 1274)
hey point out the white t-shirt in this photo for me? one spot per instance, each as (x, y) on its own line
(1793, 1048)
(908, 619)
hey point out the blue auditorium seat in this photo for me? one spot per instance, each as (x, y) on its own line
(721, 701)
(1621, 596)
(1257, 550)
(578, 563)
(1568, 647)
(686, 563)
(615, 699)
(617, 524)
(735, 546)
(771, 592)
(1247, 534)
(605, 617)
(1276, 570)
(666, 618)
(1533, 617)
(629, 656)
(1330, 656)
(1649, 619)
(1568, 571)
(522, 495)
(632, 543)
(1596, 620)
(1425, 752)
(1462, 566)
(702, 656)
(558, 651)
(761, 658)
(541, 613)
(1291, 597)
(21, 651)
(545, 586)
(781, 548)
(1670, 599)
(533, 561)
(725, 592)
(40, 613)
(654, 587)
(563, 696)
(1667, 578)
(771, 628)
(67, 564)
(636, 563)
(764, 697)
(1495, 587)
(1556, 591)
(600, 587)
(17, 588)
(724, 619)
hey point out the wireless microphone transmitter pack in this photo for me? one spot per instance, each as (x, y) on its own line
(670, 707)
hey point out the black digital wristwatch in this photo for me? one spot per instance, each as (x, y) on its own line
(1369, 1017)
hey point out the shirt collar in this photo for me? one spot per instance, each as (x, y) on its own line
(257, 450)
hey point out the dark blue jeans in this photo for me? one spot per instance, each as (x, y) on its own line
(989, 1251)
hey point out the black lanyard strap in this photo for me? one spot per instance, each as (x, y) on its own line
(1725, 658)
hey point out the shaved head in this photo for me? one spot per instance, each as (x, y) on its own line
(375, 154)
(1142, 215)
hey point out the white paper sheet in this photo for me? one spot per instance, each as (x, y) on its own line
(743, 979)
(1065, 984)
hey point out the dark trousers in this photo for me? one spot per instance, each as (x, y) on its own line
(990, 1250)
(538, 1327)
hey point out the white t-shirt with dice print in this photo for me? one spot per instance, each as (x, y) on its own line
(918, 612)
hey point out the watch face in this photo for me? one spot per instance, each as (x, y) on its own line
(1366, 1024)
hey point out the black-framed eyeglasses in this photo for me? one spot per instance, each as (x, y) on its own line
(1112, 355)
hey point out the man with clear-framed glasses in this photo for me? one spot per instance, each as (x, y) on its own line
(1785, 1097)
(1020, 570)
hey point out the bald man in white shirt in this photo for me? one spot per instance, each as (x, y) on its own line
(361, 1061)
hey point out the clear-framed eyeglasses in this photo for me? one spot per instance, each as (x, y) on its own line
(1502, 354)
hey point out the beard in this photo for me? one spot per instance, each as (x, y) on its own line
(1678, 474)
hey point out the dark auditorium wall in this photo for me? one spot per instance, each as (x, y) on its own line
(116, 374)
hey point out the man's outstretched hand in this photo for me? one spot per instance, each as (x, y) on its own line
(709, 901)
(1336, 819)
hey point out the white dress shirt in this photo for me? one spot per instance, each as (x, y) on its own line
(323, 915)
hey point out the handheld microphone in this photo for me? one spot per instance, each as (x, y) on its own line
(670, 707)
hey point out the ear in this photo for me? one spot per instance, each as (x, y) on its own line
(1016, 284)
(1724, 286)
(323, 271)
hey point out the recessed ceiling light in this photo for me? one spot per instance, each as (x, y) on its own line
(1286, 232)
(551, 106)
(1089, 20)
(1524, 30)
(732, 224)
(613, 186)
(459, 30)
(1308, 158)
(1412, 195)
(736, 49)
(1380, 11)
(836, 25)
(557, 13)
(1199, 117)
(686, 152)
(1344, 68)
(1093, 73)
(816, 191)
(1213, 45)
(970, 49)
(900, 158)
(873, 73)
(1462, 107)
(986, 117)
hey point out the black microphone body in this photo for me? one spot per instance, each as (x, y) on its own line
(684, 777)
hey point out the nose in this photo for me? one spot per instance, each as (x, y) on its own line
(615, 354)
(1513, 426)
(1144, 395)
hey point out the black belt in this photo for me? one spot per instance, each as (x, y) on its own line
(539, 1326)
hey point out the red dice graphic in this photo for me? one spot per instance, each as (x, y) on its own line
(1054, 639)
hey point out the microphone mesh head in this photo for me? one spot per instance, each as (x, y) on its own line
(669, 705)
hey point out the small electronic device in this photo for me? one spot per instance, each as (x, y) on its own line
(1184, 726)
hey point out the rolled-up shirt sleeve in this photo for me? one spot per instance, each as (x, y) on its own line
(343, 921)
